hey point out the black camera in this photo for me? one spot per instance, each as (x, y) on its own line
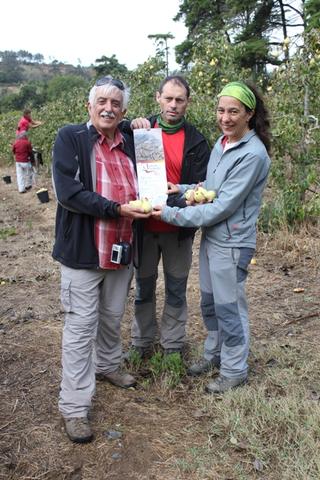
(121, 253)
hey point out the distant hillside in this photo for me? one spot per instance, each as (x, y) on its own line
(29, 72)
(43, 71)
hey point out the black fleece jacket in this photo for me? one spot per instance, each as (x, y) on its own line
(73, 174)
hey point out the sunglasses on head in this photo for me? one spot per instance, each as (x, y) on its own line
(109, 80)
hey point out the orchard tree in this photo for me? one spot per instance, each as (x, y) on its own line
(10, 70)
(144, 82)
(213, 65)
(255, 28)
(109, 66)
(293, 100)
(62, 84)
(312, 14)
(162, 49)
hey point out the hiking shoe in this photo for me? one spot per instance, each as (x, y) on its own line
(203, 366)
(223, 384)
(118, 378)
(78, 429)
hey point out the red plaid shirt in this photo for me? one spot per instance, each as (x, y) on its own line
(116, 180)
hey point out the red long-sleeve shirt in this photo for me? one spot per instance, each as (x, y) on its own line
(22, 149)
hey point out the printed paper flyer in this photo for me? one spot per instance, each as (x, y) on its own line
(151, 167)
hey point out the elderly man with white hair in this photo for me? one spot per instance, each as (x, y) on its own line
(94, 179)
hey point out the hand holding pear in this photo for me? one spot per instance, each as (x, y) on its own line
(200, 195)
(144, 204)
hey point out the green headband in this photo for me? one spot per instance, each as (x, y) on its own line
(240, 91)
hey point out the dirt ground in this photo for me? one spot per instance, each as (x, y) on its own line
(157, 425)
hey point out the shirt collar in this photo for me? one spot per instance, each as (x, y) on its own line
(117, 141)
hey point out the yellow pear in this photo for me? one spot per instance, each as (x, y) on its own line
(189, 194)
(146, 205)
(136, 203)
(198, 196)
(202, 190)
(210, 195)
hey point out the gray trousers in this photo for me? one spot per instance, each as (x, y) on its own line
(94, 303)
(24, 175)
(176, 260)
(223, 273)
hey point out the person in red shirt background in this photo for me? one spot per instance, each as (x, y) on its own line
(22, 150)
(26, 122)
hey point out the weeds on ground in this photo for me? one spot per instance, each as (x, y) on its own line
(267, 429)
(169, 368)
(7, 232)
(165, 369)
(134, 359)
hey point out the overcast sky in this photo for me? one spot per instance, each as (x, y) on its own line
(79, 31)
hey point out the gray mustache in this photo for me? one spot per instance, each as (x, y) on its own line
(108, 115)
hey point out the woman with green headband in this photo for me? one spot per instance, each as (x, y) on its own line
(237, 172)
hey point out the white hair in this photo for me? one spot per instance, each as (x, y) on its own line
(105, 90)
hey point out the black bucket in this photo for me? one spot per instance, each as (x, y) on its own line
(7, 179)
(43, 195)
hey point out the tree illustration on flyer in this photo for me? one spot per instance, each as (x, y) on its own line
(151, 167)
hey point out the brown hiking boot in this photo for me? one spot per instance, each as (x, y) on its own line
(117, 378)
(78, 429)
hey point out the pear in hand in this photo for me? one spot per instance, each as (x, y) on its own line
(210, 195)
(189, 194)
(199, 196)
(144, 204)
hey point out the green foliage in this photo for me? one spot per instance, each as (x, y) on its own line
(169, 367)
(214, 65)
(63, 84)
(162, 49)
(10, 70)
(134, 359)
(69, 108)
(144, 82)
(31, 95)
(312, 14)
(293, 93)
(110, 66)
(7, 232)
(253, 24)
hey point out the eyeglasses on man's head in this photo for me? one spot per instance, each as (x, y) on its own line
(109, 80)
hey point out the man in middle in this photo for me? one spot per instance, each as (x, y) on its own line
(186, 155)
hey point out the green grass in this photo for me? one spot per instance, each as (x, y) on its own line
(168, 368)
(268, 429)
(7, 232)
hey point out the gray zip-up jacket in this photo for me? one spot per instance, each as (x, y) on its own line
(238, 177)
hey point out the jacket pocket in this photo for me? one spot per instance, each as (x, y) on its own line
(66, 295)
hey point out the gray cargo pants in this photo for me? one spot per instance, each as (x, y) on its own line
(94, 303)
(223, 273)
(176, 259)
